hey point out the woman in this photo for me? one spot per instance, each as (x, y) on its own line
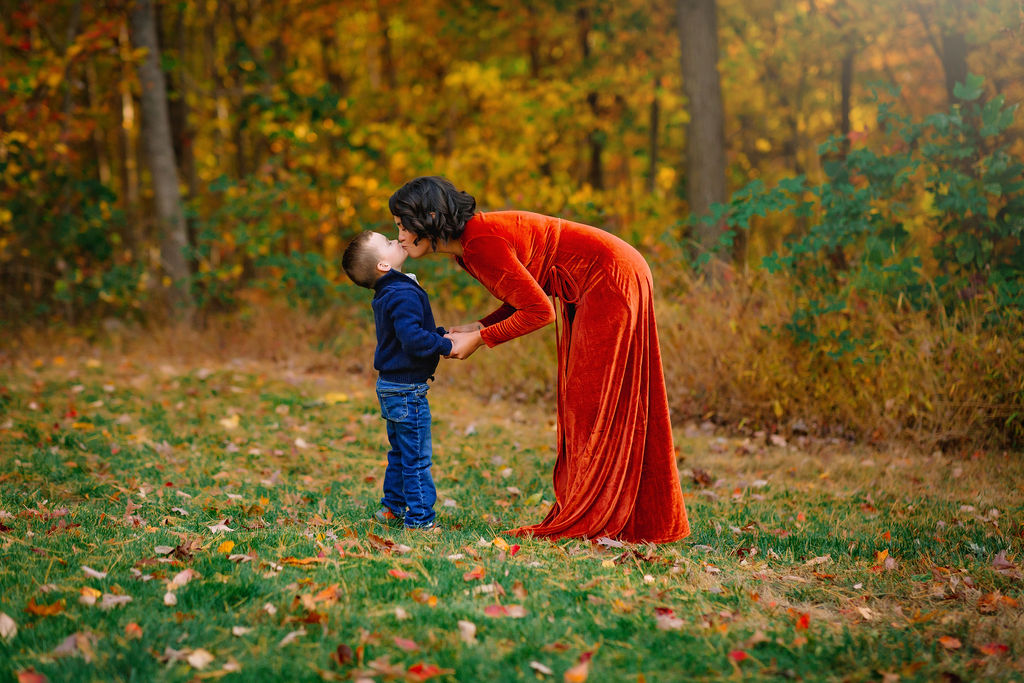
(615, 473)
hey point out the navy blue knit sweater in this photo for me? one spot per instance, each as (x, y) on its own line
(408, 344)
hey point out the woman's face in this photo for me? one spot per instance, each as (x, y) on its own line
(408, 241)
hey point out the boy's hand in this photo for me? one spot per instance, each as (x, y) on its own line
(464, 343)
(468, 327)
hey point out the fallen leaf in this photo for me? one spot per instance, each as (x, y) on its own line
(302, 561)
(170, 599)
(343, 655)
(226, 547)
(8, 627)
(406, 644)
(467, 632)
(399, 574)
(291, 636)
(89, 595)
(738, 656)
(132, 631)
(668, 622)
(163, 550)
(79, 643)
(514, 611)
(240, 630)
(994, 648)
(578, 672)
(540, 668)
(421, 671)
(183, 577)
(500, 543)
(803, 621)
(198, 659)
(229, 422)
(824, 559)
(950, 643)
(220, 526)
(110, 600)
(92, 573)
(476, 573)
(513, 549)
(44, 610)
(30, 675)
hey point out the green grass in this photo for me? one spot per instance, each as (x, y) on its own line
(124, 465)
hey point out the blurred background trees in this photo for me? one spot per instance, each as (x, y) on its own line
(853, 166)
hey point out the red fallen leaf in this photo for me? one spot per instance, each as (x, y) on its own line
(343, 655)
(950, 643)
(994, 648)
(801, 517)
(399, 574)
(803, 621)
(44, 610)
(513, 549)
(664, 611)
(476, 572)
(406, 644)
(421, 671)
(30, 675)
(514, 611)
(132, 631)
(738, 656)
(555, 647)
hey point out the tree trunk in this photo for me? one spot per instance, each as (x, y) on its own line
(846, 94)
(595, 138)
(159, 152)
(705, 136)
(653, 123)
(954, 61)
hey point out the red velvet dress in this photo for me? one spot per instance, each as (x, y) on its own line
(615, 473)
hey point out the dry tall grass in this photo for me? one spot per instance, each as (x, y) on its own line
(954, 385)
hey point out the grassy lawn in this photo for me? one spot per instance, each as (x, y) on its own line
(161, 521)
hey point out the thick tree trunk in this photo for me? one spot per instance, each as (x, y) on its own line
(705, 136)
(159, 153)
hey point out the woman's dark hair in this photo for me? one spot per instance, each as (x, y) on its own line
(431, 207)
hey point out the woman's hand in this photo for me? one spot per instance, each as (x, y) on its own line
(464, 343)
(468, 327)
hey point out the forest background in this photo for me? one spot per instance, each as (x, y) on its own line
(830, 192)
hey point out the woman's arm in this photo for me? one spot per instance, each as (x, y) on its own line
(495, 264)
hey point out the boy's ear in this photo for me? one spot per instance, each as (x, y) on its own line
(383, 267)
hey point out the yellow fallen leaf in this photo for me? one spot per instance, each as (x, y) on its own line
(335, 397)
(500, 543)
(225, 547)
(230, 422)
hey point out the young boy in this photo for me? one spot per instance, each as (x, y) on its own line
(408, 349)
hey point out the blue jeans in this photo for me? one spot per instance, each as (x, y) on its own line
(407, 480)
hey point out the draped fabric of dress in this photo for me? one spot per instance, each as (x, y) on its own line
(615, 472)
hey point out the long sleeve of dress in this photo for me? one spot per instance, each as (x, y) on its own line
(496, 266)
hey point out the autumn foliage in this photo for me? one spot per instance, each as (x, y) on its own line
(293, 122)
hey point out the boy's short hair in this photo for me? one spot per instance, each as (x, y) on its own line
(360, 260)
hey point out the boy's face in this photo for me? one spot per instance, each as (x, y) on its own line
(389, 252)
